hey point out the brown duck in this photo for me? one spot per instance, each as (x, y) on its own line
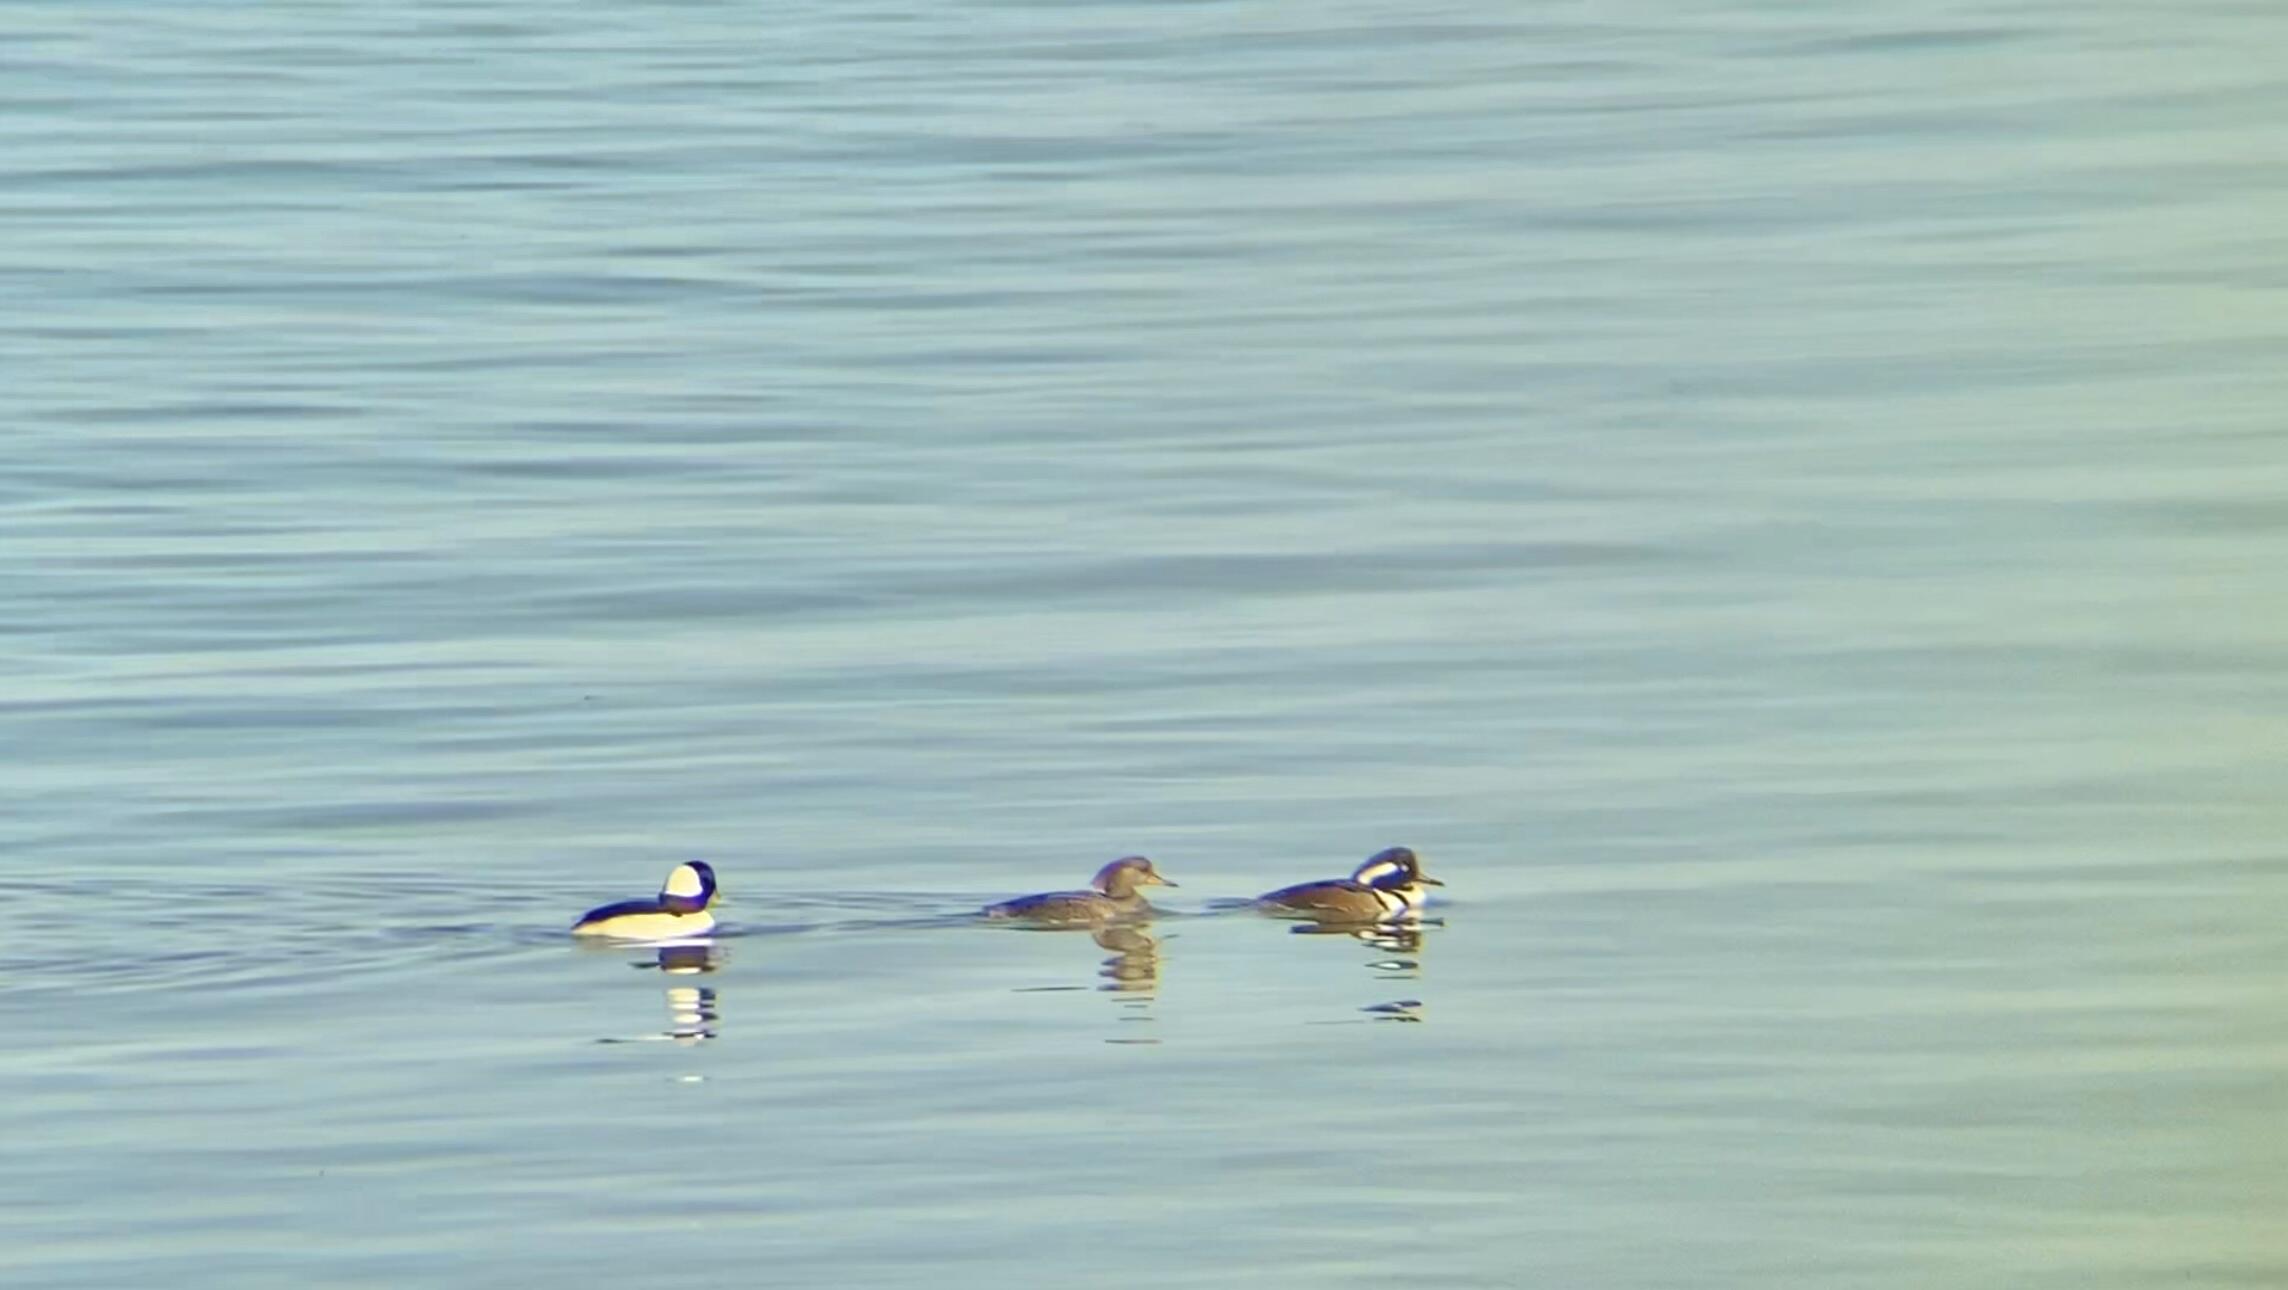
(1114, 895)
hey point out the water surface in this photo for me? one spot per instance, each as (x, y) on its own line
(1783, 508)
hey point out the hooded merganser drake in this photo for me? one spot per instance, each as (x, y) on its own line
(680, 910)
(1389, 885)
(1113, 896)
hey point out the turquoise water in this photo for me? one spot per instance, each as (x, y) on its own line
(1783, 507)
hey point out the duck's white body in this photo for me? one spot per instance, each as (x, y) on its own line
(681, 911)
(641, 924)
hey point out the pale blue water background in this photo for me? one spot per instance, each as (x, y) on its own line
(1785, 506)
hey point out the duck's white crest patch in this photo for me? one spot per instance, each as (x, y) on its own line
(684, 881)
(1375, 870)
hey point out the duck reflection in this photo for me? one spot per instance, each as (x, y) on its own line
(1130, 974)
(682, 960)
(692, 1010)
(1134, 967)
(1395, 1010)
(1391, 938)
(691, 1014)
(1398, 945)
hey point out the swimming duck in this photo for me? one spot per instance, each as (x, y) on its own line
(680, 910)
(1114, 896)
(1389, 885)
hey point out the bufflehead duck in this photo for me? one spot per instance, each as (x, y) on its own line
(1114, 896)
(1389, 885)
(680, 910)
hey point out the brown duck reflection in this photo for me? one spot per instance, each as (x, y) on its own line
(1134, 967)
(1130, 974)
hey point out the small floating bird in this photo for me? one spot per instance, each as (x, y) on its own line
(1114, 896)
(1388, 886)
(679, 911)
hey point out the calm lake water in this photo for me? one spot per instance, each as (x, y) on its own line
(1784, 506)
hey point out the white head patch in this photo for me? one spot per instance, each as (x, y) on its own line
(1375, 871)
(684, 881)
